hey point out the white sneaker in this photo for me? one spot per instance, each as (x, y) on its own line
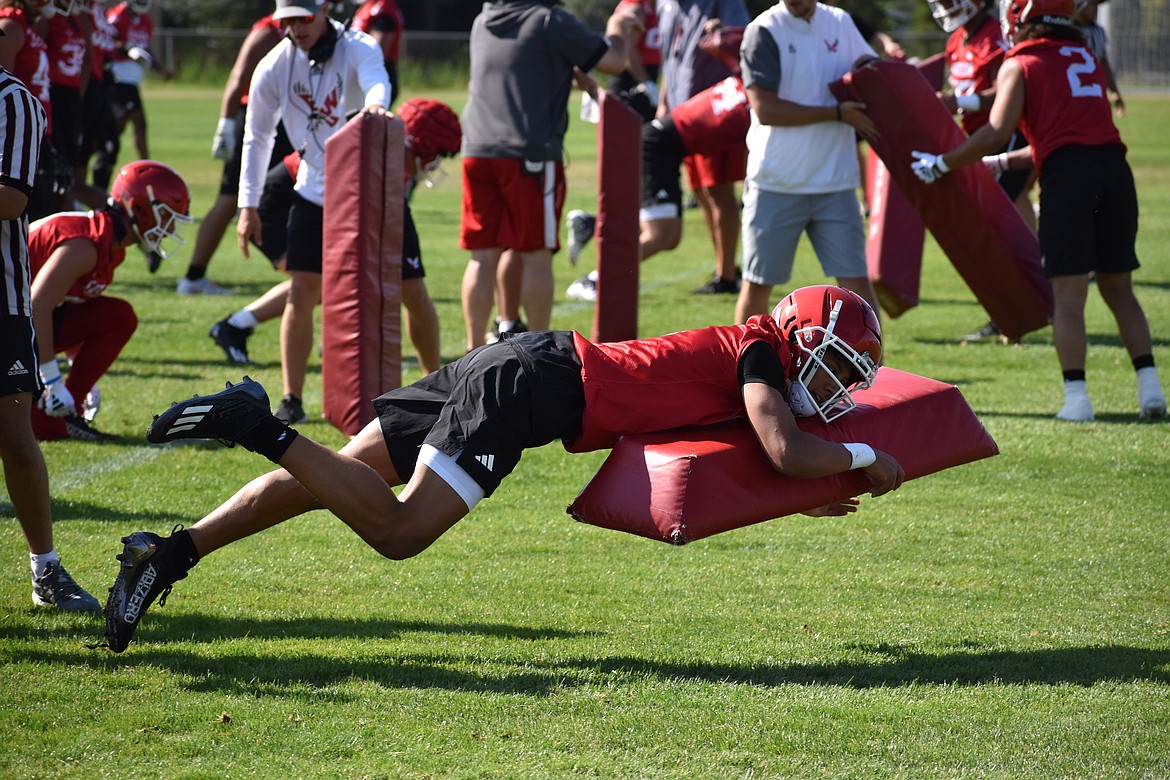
(1151, 399)
(581, 226)
(584, 289)
(1077, 407)
(202, 286)
(92, 404)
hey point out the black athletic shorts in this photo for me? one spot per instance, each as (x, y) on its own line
(18, 356)
(124, 99)
(662, 154)
(68, 118)
(1013, 182)
(1088, 211)
(489, 406)
(305, 235)
(98, 126)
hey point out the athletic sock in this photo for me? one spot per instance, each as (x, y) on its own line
(186, 556)
(243, 319)
(270, 438)
(40, 561)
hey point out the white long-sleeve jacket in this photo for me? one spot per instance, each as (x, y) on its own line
(312, 101)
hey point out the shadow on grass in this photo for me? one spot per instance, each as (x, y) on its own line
(225, 671)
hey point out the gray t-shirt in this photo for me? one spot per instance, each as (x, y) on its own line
(522, 58)
(686, 70)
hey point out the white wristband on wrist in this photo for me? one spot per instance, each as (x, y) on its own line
(50, 371)
(968, 102)
(862, 455)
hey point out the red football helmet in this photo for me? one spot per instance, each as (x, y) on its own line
(156, 202)
(1013, 13)
(826, 321)
(432, 130)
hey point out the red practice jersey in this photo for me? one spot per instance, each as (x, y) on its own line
(685, 378)
(32, 61)
(101, 39)
(973, 62)
(1065, 101)
(131, 29)
(649, 47)
(97, 227)
(66, 46)
(715, 119)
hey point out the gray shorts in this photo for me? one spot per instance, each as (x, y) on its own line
(773, 222)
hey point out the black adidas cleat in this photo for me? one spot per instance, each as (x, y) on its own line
(227, 415)
(232, 340)
(147, 572)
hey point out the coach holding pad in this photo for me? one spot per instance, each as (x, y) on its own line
(310, 81)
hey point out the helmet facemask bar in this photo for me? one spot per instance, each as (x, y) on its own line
(167, 223)
(862, 368)
(951, 16)
(432, 173)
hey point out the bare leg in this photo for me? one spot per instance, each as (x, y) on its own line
(1117, 291)
(509, 285)
(723, 222)
(271, 304)
(211, 230)
(537, 291)
(25, 474)
(138, 118)
(422, 323)
(659, 235)
(1068, 320)
(479, 290)
(753, 299)
(296, 330)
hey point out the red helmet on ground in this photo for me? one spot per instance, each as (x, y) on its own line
(1013, 13)
(826, 323)
(156, 202)
(432, 129)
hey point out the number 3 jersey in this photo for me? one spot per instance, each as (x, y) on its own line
(1065, 101)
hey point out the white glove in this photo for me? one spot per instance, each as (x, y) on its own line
(651, 90)
(141, 56)
(223, 143)
(56, 401)
(996, 163)
(928, 167)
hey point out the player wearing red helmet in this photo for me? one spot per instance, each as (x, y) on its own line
(454, 435)
(1051, 85)
(74, 256)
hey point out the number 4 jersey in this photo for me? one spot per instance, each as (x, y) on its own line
(1065, 101)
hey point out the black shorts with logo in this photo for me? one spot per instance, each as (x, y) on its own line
(489, 406)
(18, 356)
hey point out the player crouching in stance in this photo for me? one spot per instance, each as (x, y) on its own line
(455, 434)
(73, 256)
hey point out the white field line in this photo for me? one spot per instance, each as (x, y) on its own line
(83, 475)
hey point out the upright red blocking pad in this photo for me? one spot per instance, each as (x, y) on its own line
(893, 241)
(682, 485)
(619, 163)
(968, 213)
(361, 293)
(896, 235)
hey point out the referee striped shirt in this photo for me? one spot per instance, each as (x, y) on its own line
(22, 126)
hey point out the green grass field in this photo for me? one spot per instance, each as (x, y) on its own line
(1005, 619)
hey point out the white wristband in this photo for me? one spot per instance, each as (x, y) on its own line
(968, 102)
(50, 372)
(862, 455)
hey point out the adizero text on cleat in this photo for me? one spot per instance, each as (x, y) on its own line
(227, 415)
(146, 573)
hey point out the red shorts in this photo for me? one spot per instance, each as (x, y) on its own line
(504, 206)
(707, 170)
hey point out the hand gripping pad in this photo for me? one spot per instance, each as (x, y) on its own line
(678, 486)
(968, 213)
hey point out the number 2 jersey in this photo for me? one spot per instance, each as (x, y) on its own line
(1065, 100)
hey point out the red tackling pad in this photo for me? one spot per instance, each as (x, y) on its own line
(619, 195)
(894, 241)
(361, 317)
(968, 213)
(678, 486)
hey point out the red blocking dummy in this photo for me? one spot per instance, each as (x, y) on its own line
(971, 218)
(619, 163)
(682, 485)
(361, 281)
